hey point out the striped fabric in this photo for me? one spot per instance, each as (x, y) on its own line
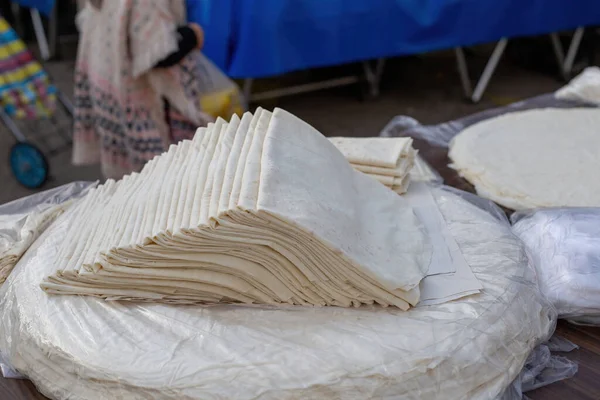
(25, 89)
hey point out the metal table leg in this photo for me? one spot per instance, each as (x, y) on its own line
(305, 88)
(566, 63)
(463, 71)
(40, 34)
(53, 31)
(247, 91)
(373, 75)
(487, 74)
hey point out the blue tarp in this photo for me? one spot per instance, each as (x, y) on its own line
(44, 6)
(257, 38)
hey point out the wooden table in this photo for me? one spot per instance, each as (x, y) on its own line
(584, 386)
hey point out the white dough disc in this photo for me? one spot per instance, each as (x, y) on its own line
(80, 347)
(536, 158)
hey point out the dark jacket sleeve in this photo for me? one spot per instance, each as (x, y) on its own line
(187, 42)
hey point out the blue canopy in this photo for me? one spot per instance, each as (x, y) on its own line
(257, 38)
(44, 6)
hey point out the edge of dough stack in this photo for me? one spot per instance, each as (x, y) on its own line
(262, 209)
(387, 160)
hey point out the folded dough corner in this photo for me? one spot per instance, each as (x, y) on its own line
(387, 160)
(258, 210)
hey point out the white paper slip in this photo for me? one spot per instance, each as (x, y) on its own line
(419, 197)
(439, 287)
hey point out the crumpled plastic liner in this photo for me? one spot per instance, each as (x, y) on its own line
(423, 172)
(23, 220)
(442, 134)
(9, 372)
(14, 215)
(473, 348)
(564, 247)
(543, 368)
(43, 200)
(19, 214)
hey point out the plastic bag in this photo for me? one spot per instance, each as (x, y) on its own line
(473, 347)
(564, 247)
(220, 96)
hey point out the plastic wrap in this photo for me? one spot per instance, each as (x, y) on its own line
(474, 347)
(422, 171)
(564, 247)
(220, 96)
(441, 134)
(543, 368)
(7, 371)
(585, 87)
(41, 201)
(23, 220)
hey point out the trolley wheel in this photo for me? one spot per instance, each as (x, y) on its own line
(28, 165)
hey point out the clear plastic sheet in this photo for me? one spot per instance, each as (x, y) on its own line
(23, 220)
(41, 201)
(474, 347)
(564, 247)
(441, 134)
(422, 171)
(543, 368)
(8, 371)
(21, 223)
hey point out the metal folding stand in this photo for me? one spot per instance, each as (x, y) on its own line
(486, 75)
(372, 77)
(40, 34)
(566, 63)
(47, 48)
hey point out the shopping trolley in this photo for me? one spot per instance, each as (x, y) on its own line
(27, 94)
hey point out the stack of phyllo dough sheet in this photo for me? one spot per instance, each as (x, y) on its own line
(263, 209)
(387, 160)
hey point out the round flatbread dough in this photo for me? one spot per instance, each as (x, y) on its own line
(471, 348)
(537, 158)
